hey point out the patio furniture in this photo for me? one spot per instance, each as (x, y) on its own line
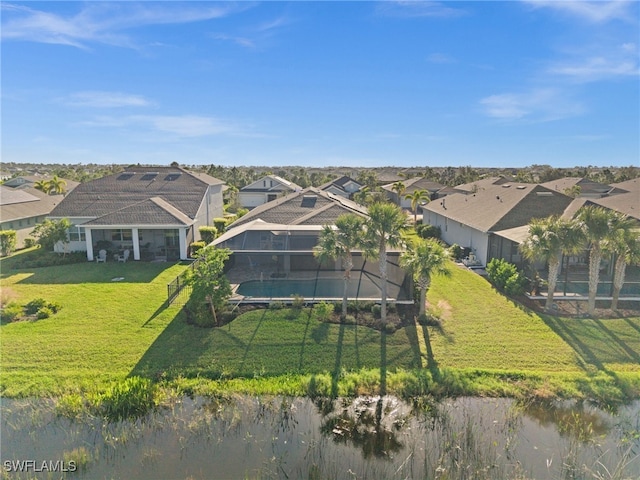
(124, 257)
(102, 256)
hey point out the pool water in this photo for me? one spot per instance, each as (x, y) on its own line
(363, 287)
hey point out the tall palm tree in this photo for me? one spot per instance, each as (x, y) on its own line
(384, 229)
(417, 197)
(57, 185)
(399, 188)
(339, 242)
(596, 225)
(547, 240)
(624, 243)
(425, 258)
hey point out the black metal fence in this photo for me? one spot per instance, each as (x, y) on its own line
(179, 290)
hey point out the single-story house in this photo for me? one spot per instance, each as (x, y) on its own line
(411, 185)
(484, 221)
(583, 187)
(484, 183)
(267, 189)
(23, 207)
(154, 212)
(277, 240)
(344, 186)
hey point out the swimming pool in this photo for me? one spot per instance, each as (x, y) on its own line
(363, 287)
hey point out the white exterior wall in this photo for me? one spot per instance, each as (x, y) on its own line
(210, 208)
(463, 235)
(252, 199)
(77, 246)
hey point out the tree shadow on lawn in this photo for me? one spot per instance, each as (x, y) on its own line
(91, 272)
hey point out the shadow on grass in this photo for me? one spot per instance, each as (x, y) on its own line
(91, 272)
(335, 375)
(628, 350)
(250, 342)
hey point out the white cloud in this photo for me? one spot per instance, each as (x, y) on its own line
(538, 105)
(182, 126)
(105, 100)
(620, 61)
(596, 12)
(413, 9)
(103, 22)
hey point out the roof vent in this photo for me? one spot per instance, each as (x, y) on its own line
(309, 201)
(544, 194)
(506, 185)
(521, 187)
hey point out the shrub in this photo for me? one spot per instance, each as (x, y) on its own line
(276, 306)
(7, 242)
(44, 312)
(390, 328)
(456, 251)
(297, 302)
(349, 320)
(505, 276)
(323, 310)
(30, 242)
(12, 311)
(242, 212)
(33, 306)
(376, 310)
(196, 247)
(428, 231)
(208, 234)
(220, 224)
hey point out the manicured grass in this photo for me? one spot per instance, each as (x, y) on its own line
(108, 330)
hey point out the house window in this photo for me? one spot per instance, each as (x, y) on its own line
(76, 234)
(121, 235)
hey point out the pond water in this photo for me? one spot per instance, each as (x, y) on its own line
(366, 437)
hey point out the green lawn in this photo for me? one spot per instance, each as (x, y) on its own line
(108, 329)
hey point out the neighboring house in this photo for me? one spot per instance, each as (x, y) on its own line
(267, 189)
(151, 211)
(485, 221)
(583, 187)
(344, 186)
(411, 185)
(22, 208)
(278, 238)
(484, 184)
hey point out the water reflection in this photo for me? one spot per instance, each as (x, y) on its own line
(368, 437)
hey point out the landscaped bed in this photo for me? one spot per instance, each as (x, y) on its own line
(486, 344)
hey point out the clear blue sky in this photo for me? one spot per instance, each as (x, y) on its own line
(487, 84)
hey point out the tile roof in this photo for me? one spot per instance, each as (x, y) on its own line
(500, 207)
(308, 207)
(116, 197)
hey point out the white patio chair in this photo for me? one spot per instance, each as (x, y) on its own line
(102, 256)
(124, 257)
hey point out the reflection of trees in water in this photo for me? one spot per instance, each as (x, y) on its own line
(573, 420)
(371, 424)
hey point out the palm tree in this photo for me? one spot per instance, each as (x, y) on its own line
(426, 258)
(417, 197)
(596, 224)
(547, 240)
(624, 243)
(399, 188)
(339, 242)
(384, 228)
(43, 186)
(57, 185)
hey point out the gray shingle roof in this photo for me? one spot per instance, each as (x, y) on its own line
(125, 198)
(296, 208)
(500, 207)
(34, 203)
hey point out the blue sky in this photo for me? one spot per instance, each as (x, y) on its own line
(487, 84)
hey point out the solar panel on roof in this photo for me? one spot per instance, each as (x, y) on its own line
(172, 176)
(309, 201)
(125, 176)
(149, 176)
